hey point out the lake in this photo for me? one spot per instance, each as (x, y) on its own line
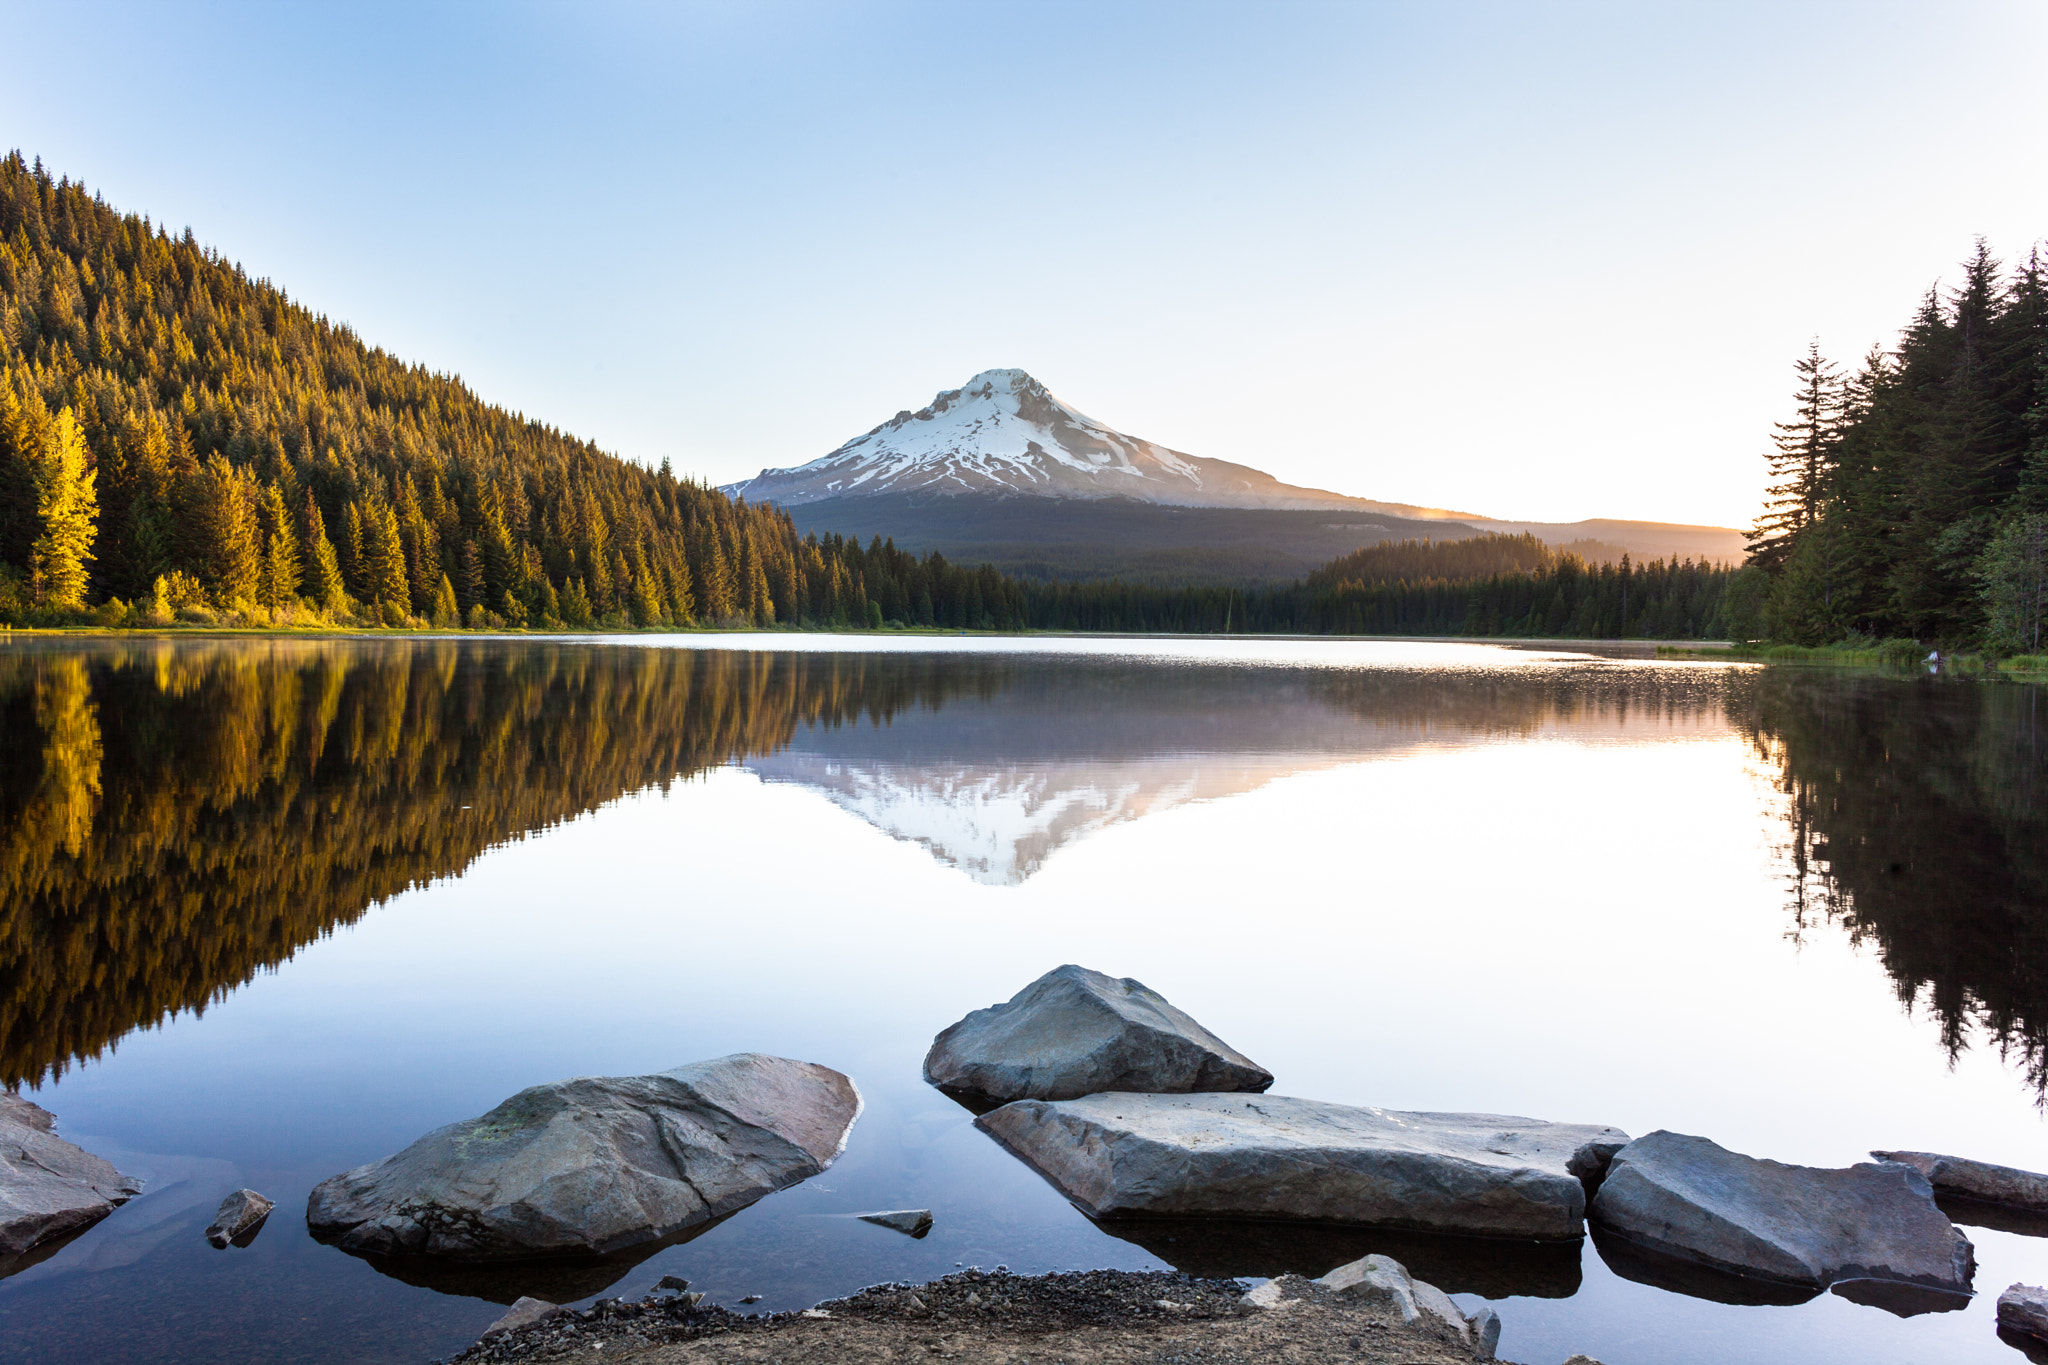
(274, 908)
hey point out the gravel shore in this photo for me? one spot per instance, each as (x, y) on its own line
(1079, 1318)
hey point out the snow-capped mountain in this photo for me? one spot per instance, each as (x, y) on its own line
(1004, 433)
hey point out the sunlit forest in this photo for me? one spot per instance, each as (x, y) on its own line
(1909, 495)
(180, 443)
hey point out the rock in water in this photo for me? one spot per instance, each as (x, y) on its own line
(2023, 1308)
(240, 1218)
(1074, 1032)
(1277, 1157)
(1978, 1180)
(591, 1166)
(48, 1187)
(911, 1222)
(1800, 1225)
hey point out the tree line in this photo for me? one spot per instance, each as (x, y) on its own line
(1909, 496)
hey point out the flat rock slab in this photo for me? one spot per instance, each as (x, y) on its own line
(1076, 1032)
(1805, 1226)
(49, 1188)
(1234, 1156)
(238, 1220)
(1980, 1180)
(592, 1166)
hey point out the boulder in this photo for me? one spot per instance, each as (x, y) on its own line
(586, 1167)
(2023, 1308)
(1230, 1156)
(239, 1219)
(1979, 1180)
(49, 1188)
(910, 1222)
(1690, 1198)
(1383, 1278)
(1074, 1032)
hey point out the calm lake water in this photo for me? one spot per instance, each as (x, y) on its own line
(271, 909)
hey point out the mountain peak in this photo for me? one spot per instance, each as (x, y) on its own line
(1002, 434)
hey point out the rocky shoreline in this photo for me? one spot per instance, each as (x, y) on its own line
(1129, 1317)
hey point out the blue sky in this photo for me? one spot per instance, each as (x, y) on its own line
(1527, 260)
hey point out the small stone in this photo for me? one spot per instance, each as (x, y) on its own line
(675, 1282)
(1582, 1360)
(1268, 1295)
(239, 1219)
(750, 1298)
(816, 1313)
(523, 1313)
(973, 1299)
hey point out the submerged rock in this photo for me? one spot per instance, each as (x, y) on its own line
(1979, 1180)
(1219, 1155)
(910, 1222)
(1805, 1226)
(49, 1188)
(1386, 1279)
(1075, 1032)
(591, 1166)
(239, 1219)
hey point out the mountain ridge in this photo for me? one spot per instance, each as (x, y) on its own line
(1000, 468)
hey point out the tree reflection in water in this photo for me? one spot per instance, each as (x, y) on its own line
(175, 817)
(1916, 819)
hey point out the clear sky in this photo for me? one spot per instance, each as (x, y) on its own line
(1529, 260)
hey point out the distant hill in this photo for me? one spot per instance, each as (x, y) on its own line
(1001, 470)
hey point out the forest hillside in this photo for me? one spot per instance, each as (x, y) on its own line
(180, 442)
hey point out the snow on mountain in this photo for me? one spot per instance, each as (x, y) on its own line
(1004, 433)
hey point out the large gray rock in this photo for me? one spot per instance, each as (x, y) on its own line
(1957, 1175)
(48, 1188)
(1074, 1032)
(1692, 1199)
(1276, 1157)
(591, 1166)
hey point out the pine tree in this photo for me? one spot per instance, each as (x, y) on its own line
(1802, 462)
(281, 552)
(384, 580)
(67, 509)
(323, 567)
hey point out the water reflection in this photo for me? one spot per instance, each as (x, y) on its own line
(176, 817)
(1916, 819)
(1065, 749)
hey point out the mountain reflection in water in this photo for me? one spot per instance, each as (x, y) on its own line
(176, 816)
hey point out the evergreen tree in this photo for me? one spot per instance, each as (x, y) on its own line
(67, 511)
(1802, 461)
